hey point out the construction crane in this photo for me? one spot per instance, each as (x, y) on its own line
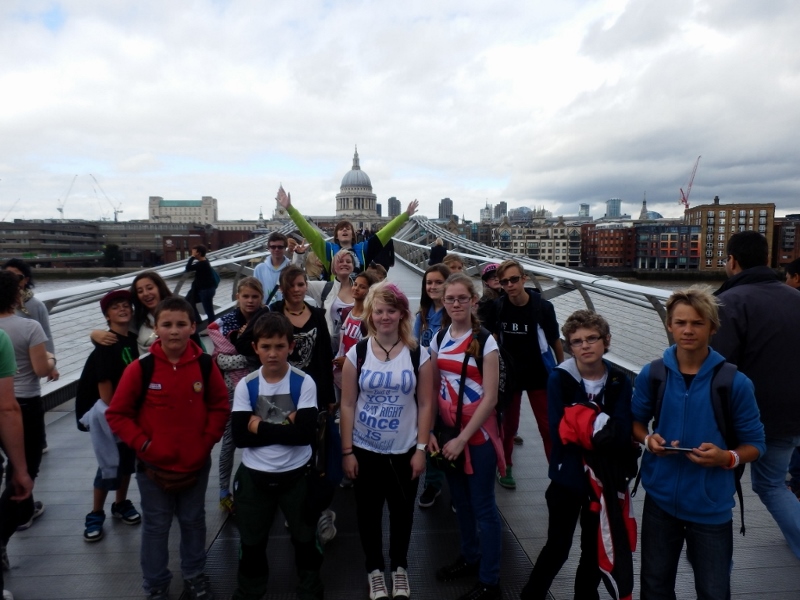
(684, 199)
(8, 212)
(116, 208)
(61, 203)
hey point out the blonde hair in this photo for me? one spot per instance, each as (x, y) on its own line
(313, 265)
(466, 281)
(339, 257)
(252, 283)
(700, 299)
(509, 264)
(388, 293)
(452, 258)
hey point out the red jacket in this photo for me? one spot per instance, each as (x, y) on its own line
(180, 421)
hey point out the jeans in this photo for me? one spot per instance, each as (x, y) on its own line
(768, 476)
(794, 470)
(709, 549)
(476, 511)
(158, 508)
(538, 400)
(434, 476)
(385, 478)
(565, 507)
(13, 514)
(206, 298)
(258, 497)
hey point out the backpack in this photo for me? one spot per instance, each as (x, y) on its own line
(361, 356)
(505, 391)
(148, 364)
(295, 385)
(721, 394)
(217, 278)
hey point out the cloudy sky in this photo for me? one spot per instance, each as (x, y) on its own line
(537, 103)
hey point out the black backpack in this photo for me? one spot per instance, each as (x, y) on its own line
(505, 389)
(148, 364)
(721, 393)
(361, 356)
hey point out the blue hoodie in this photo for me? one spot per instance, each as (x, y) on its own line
(678, 486)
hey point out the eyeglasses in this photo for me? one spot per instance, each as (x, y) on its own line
(458, 299)
(725, 261)
(507, 280)
(591, 340)
(277, 247)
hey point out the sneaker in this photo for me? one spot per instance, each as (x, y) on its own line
(38, 510)
(198, 588)
(481, 591)
(7, 595)
(377, 586)
(94, 526)
(4, 557)
(518, 441)
(400, 588)
(158, 594)
(125, 512)
(460, 568)
(508, 481)
(428, 496)
(226, 502)
(326, 530)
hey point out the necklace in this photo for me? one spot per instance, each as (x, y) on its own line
(295, 314)
(384, 349)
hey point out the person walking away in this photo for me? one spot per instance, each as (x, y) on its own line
(792, 279)
(438, 252)
(588, 400)
(758, 333)
(11, 440)
(204, 286)
(174, 455)
(460, 379)
(274, 419)
(384, 453)
(690, 492)
(516, 319)
(99, 379)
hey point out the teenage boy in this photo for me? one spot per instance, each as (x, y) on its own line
(589, 408)
(99, 379)
(515, 319)
(269, 271)
(274, 419)
(690, 492)
(204, 286)
(172, 421)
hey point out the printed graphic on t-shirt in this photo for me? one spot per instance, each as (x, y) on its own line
(380, 416)
(274, 409)
(303, 348)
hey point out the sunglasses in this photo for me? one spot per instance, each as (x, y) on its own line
(507, 280)
(277, 247)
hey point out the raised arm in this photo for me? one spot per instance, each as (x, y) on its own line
(312, 236)
(386, 233)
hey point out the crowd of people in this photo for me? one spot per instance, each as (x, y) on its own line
(325, 379)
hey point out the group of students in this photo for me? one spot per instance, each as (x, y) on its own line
(391, 390)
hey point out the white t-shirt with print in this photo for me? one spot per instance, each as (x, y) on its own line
(274, 404)
(386, 409)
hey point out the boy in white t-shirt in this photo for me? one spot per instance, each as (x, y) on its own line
(274, 419)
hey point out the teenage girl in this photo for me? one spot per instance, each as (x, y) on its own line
(223, 332)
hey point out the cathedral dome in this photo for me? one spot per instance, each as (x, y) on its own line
(356, 177)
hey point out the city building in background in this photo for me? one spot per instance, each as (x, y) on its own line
(486, 213)
(667, 246)
(786, 247)
(613, 208)
(183, 211)
(394, 207)
(584, 211)
(445, 208)
(718, 222)
(608, 245)
(500, 210)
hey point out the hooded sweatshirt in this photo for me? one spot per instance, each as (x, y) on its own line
(678, 486)
(181, 421)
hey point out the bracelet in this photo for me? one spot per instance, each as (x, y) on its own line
(734, 460)
(422, 447)
(347, 453)
(646, 443)
(55, 360)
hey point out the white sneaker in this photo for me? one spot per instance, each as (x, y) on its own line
(326, 530)
(377, 586)
(400, 587)
(7, 595)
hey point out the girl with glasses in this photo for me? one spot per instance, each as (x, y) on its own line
(471, 489)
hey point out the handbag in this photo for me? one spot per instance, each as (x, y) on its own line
(445, 433)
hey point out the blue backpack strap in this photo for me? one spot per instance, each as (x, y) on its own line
(296, 380)
(361, 356)
(658, 383)
(252, 388)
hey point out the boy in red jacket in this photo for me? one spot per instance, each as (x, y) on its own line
(172, 429)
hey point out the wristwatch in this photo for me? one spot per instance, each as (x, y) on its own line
(422, 447)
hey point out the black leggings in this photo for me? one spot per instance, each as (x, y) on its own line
(385, 478)
(14, 514)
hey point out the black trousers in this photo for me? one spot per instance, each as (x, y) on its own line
(566, 507)
(385, 478)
